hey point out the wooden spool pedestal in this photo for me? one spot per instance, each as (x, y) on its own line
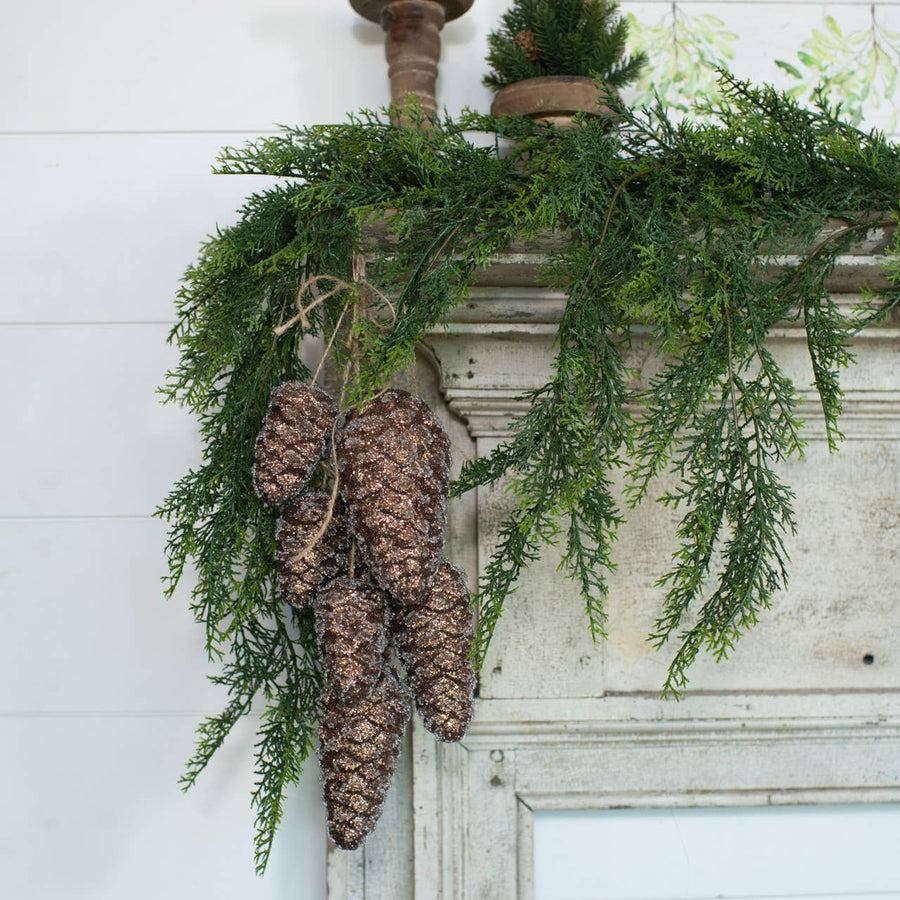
(412, 44)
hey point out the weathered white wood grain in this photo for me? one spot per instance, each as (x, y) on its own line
(803, 713)
(489, 787)
(844, 559)
(835, 627)
(527, 720)
(543, 645)
(389, 852)
(440, 811)
(833, 761)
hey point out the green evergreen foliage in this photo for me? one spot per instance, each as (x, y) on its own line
(672, 232)
(561, 37)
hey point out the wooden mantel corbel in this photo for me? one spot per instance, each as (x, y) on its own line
(501, 343)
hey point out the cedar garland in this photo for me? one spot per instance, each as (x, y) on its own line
(671, 227)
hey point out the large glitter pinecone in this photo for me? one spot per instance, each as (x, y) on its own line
(351, 624)
(360, 743)
(394, 464)
(433, 638)
(297, 426)
(301, 573)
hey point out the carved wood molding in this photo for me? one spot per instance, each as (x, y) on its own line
(500, 343)
(472, 805)
(843, 752)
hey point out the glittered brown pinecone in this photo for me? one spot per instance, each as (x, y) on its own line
(433, 638)
(300, 574)
(351, 624)
(394, 462)
(527, 42)
(297, 426)
(360, 743)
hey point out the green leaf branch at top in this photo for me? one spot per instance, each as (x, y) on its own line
(857, 70)
(684, 53)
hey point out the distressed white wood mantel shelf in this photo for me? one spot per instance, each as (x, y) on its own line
(806, 711)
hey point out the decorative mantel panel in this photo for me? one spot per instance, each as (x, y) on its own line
(807, 710)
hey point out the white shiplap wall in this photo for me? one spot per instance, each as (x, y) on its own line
(110, 116)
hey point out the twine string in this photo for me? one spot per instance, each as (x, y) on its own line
(311, 285)
(359, 284)
(304, 551)
(364, 291)
(361, 310)
(330, 344)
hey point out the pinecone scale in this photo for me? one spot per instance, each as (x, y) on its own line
(302, 562)
(351, 624)
(433, 638)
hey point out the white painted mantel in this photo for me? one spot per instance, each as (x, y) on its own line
(807, 710)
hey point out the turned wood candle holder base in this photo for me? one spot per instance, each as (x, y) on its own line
(554, 99)
(412, 45)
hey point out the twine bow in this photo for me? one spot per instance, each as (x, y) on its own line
(364, 290)
(359, 284)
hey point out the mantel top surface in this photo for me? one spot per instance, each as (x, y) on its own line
(522, 263)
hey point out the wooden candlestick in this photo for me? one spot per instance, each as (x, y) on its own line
(412, 44)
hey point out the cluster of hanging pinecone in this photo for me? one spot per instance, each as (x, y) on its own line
(366, 557)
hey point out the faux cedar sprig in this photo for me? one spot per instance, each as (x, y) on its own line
(671, 230)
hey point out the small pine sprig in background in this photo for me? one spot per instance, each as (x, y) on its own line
(561, 37)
